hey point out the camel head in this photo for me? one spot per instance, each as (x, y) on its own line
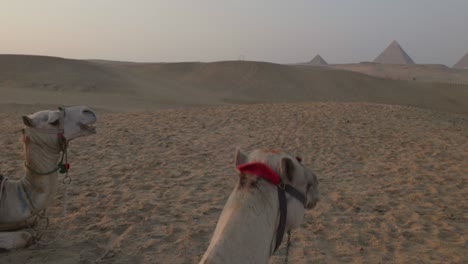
(292, 172)
(75, 121)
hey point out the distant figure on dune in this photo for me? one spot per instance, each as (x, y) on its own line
(45, 138)
(273, 191)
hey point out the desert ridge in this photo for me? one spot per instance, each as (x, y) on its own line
(125, 86)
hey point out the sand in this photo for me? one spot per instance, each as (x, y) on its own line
(149, 187)
(391, 156)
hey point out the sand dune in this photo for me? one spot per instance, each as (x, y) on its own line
(121, 86)
(150, 186)
(58, 74)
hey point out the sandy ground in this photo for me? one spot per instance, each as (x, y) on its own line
(149, 187)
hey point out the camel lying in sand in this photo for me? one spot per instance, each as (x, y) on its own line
(273, 191)
(45, 138)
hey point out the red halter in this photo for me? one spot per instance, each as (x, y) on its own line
(261, 170)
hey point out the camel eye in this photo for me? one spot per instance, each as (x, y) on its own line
(55, 123)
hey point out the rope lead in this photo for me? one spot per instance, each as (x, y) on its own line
(287, 247)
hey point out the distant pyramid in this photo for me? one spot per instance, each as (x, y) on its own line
(394, 54)
(318, 60)
(463, 63)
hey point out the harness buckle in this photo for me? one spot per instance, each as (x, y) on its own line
(67, 180)
(282, 186)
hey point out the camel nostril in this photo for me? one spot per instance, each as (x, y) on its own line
(88, 112)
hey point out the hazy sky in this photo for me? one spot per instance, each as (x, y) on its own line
(431, 31)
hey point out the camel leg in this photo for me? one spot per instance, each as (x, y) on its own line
(15, 239)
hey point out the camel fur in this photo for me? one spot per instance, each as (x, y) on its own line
(21, 200)
(246, 229)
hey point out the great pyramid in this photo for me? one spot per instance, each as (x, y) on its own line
(318, 60)
(394, 54)
(463, 63)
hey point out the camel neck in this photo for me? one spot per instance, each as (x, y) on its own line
(246, 229)
(41, 154)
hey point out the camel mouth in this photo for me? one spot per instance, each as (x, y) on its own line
(311, 205)
(90, 128)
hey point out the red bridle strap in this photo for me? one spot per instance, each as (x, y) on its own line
(261, 170)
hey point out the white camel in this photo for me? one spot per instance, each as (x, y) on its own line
(45, 138)
(273, 191)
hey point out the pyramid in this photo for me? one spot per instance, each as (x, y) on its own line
(318, 60)
(394, 54)
(463, 63)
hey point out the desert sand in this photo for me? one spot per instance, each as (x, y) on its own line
(391, 157)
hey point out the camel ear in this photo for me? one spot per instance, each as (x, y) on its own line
(240, 157)
(287, 169)
(28, 121)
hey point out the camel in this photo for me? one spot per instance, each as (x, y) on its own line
(46, 135)
(271, 196)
